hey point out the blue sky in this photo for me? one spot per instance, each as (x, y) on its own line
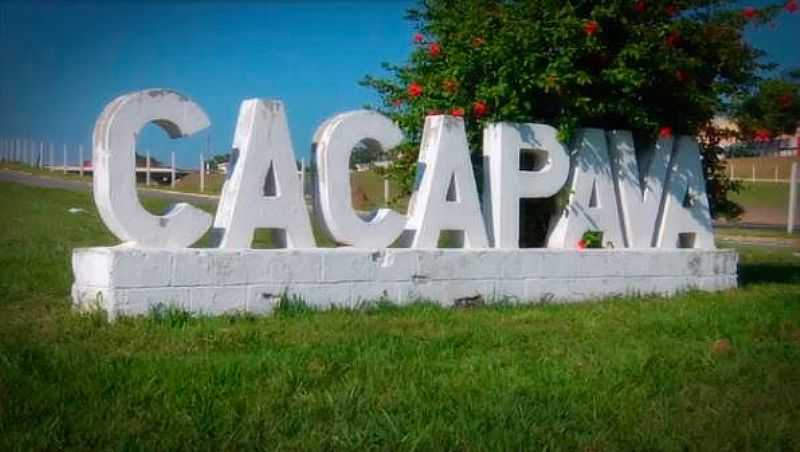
(62, 62)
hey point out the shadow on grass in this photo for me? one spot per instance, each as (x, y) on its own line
(756, 273)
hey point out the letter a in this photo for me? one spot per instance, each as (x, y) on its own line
(686, 221)
(446, 197)
(593, 202)
(263, 190)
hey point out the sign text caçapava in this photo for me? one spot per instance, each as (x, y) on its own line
(661, 205)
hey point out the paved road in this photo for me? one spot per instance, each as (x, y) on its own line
(75, 185)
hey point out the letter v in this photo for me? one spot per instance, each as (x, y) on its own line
(640, 186)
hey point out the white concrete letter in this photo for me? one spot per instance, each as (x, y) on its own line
(334, 142)
(504, 181)
(593, 202)
(445, 197)
(686, 222)
(641, 178)
(114, 168)
(263, 190)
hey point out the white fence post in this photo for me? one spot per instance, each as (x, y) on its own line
(80, 156)
(147, 169)
(754, 172)
(64, 166)
(792, 199)
(40, 163)
(52, 161)
(172, 171)
(202, 172)
(776, 173)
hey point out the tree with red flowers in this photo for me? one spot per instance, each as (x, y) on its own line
(641, 65)
(770, 110)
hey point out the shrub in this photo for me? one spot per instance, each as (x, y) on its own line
(649, 66)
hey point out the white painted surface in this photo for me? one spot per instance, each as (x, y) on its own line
(505, 184)
(334, 142)
(444, 159)
(592, 204)
(685, 203)
(128, 281)
(641, 175)
(262, 140)
(113, 165)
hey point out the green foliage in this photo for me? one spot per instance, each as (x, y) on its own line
(592, 239)
(649, 66)
(366, 152)
(217, 159)
(770, 110)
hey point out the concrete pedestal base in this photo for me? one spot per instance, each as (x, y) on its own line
(129, 281)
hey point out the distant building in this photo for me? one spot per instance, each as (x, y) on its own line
(725, 124)
(361, 167)
(780, 146)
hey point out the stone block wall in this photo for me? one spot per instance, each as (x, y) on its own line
(129, 281)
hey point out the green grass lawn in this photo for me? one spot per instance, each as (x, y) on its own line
(763, 194)
(14, 166)
(701, 371)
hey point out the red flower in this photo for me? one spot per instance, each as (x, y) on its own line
(418, 38)
(435, 49)
(640, 6)
(665, 132)
(478, 41)
(672, 10)
(681, 75)
(762, 135)
(415, 89)
(581, 244)
(749, 12)
(791, 6)
(591, 27)
(785, 100)
(480, 108)
(458, 111)
(450, 85)
(673, 39)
